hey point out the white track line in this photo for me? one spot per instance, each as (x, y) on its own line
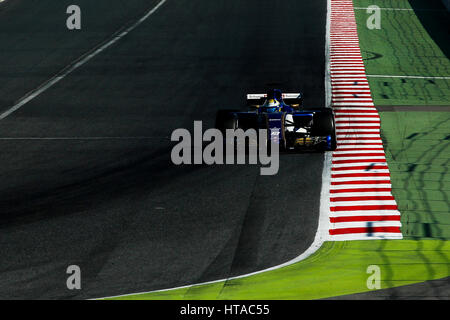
(398, 9)
(407, 77)
(78, 63)
(80, 138)
(389, 9)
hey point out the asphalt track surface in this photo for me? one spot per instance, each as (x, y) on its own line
(85, 170)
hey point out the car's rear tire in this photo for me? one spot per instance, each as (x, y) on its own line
(226, 120)
(324, 125)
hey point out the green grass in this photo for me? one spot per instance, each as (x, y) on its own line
(338, 268)
(404, 47)
(395, 91)
(417, 146)
(416, 143)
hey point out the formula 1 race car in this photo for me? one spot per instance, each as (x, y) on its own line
(285, 119)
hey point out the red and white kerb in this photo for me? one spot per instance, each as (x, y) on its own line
(361, 203)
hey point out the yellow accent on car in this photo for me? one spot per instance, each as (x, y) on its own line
(304, 141)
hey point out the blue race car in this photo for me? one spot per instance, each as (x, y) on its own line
(285, 119)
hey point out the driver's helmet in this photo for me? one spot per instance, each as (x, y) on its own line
(271, 105)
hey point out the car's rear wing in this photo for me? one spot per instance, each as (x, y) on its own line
(292, 99)
(259, 96)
